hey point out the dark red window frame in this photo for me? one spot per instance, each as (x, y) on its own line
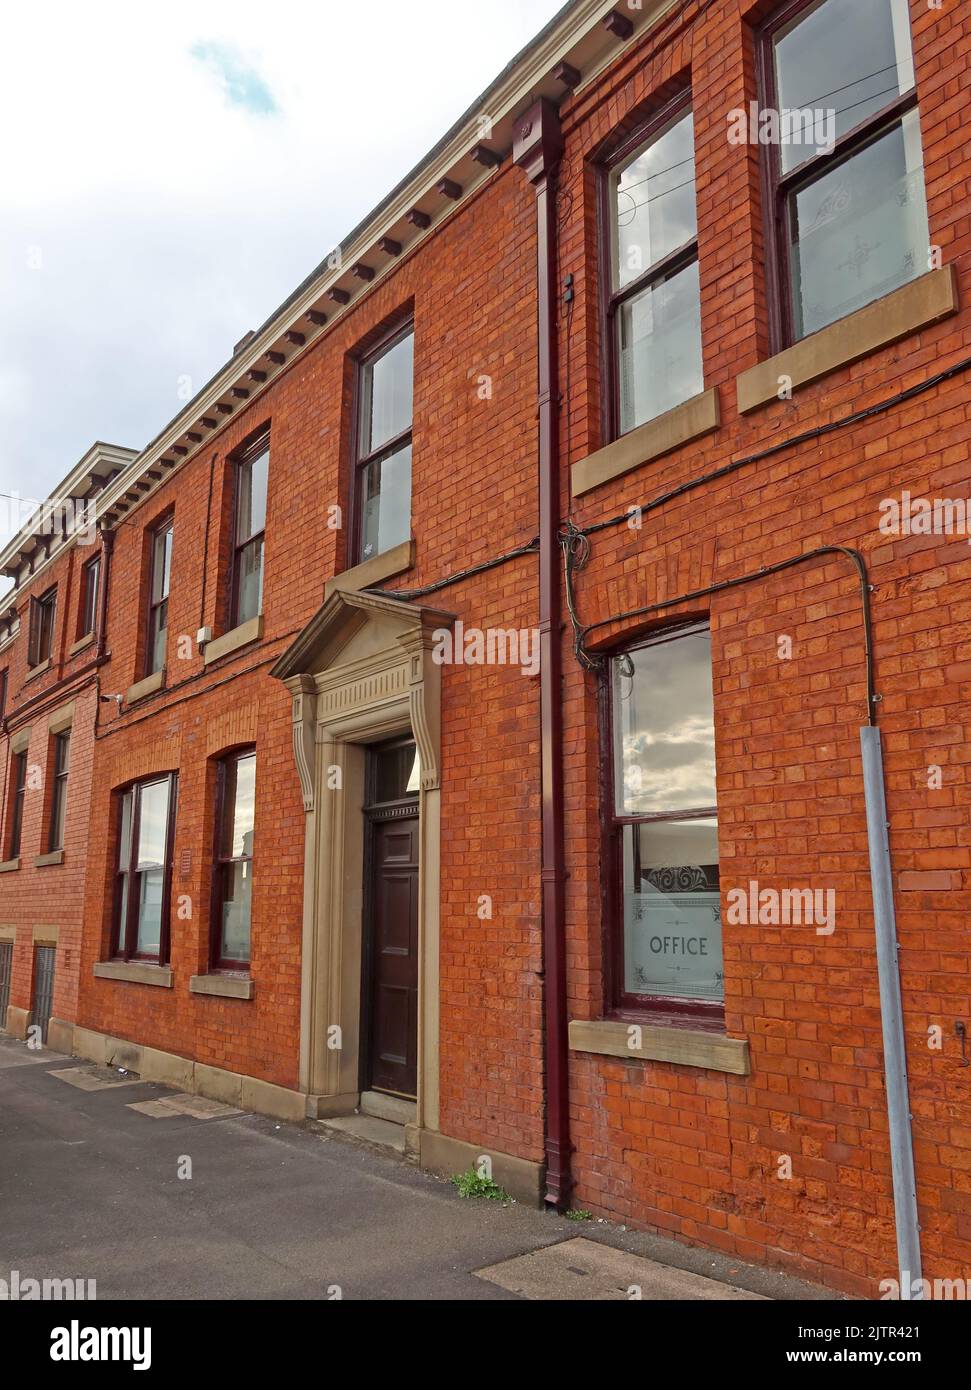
(60, 760)
(222, 864)
(157, 616)
(43, 616)
(703, 1014)
(611, 300)
(90, 591)
(777, 187)
(242, 459)
(18, 781)
(394, 334)
(124, 935)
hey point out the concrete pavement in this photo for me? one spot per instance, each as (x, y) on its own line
(92, 1188)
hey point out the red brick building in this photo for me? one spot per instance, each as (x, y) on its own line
(488, 647)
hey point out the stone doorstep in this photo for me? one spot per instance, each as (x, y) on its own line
(367, 1131)
(385, 1107)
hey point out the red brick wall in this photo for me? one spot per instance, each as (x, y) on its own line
(34, 898)
(681, 1150)
(695, 1153)
(473, 495)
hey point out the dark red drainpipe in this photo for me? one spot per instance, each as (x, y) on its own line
(538, 144)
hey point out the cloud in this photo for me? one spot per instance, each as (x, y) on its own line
(152, 210)
(242, 84)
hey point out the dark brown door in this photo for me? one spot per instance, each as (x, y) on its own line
(393, 1051)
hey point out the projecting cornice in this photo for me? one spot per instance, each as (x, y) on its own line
(573, 48)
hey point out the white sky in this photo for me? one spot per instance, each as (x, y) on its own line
(170, 173)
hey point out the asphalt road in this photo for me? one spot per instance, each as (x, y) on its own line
(90, 1188)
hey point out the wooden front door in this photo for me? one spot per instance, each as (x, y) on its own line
(393, 956)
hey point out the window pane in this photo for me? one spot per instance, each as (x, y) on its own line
(664, 727)
(249, 581)
(239, 802)
(150, 886)
(395, 769)
(124, 838)
(654, 199)
(237, 898)
(158, 637)
(387, 503)
(660, 349)
(153, 815)
(387, 397)
(161, 565)
(62, 746)
(122, 911)
(251, 497)
(849, 57)
(91, 577)
(57, 815)
(860, 231)
(672, 918)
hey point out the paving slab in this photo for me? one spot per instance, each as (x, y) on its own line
(587, 1271)
(93, 1078)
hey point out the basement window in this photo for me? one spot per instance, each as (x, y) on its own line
(143, 874)
(662, 830)
(653, 294)
(848, 213)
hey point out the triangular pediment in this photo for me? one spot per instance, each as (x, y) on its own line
(354, 627)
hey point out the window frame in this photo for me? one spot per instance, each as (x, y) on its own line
(18, 781)
(45, 602)
(664, 1010)
(390, 338)
(166, 526)
(59, 778)
(611, 300)
(242, 458)
(90, 594)
(778, 187)
(217, 962)
(125, 935)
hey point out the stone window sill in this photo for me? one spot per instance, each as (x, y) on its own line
(380, 567)
(44, 861)
(687, 1047)
(138, 972)
(917, 305)
(80, 644)
(9, 866)
(227, 986)
(141, 689)
(234, 639)
(693, 418)
(37, 670)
